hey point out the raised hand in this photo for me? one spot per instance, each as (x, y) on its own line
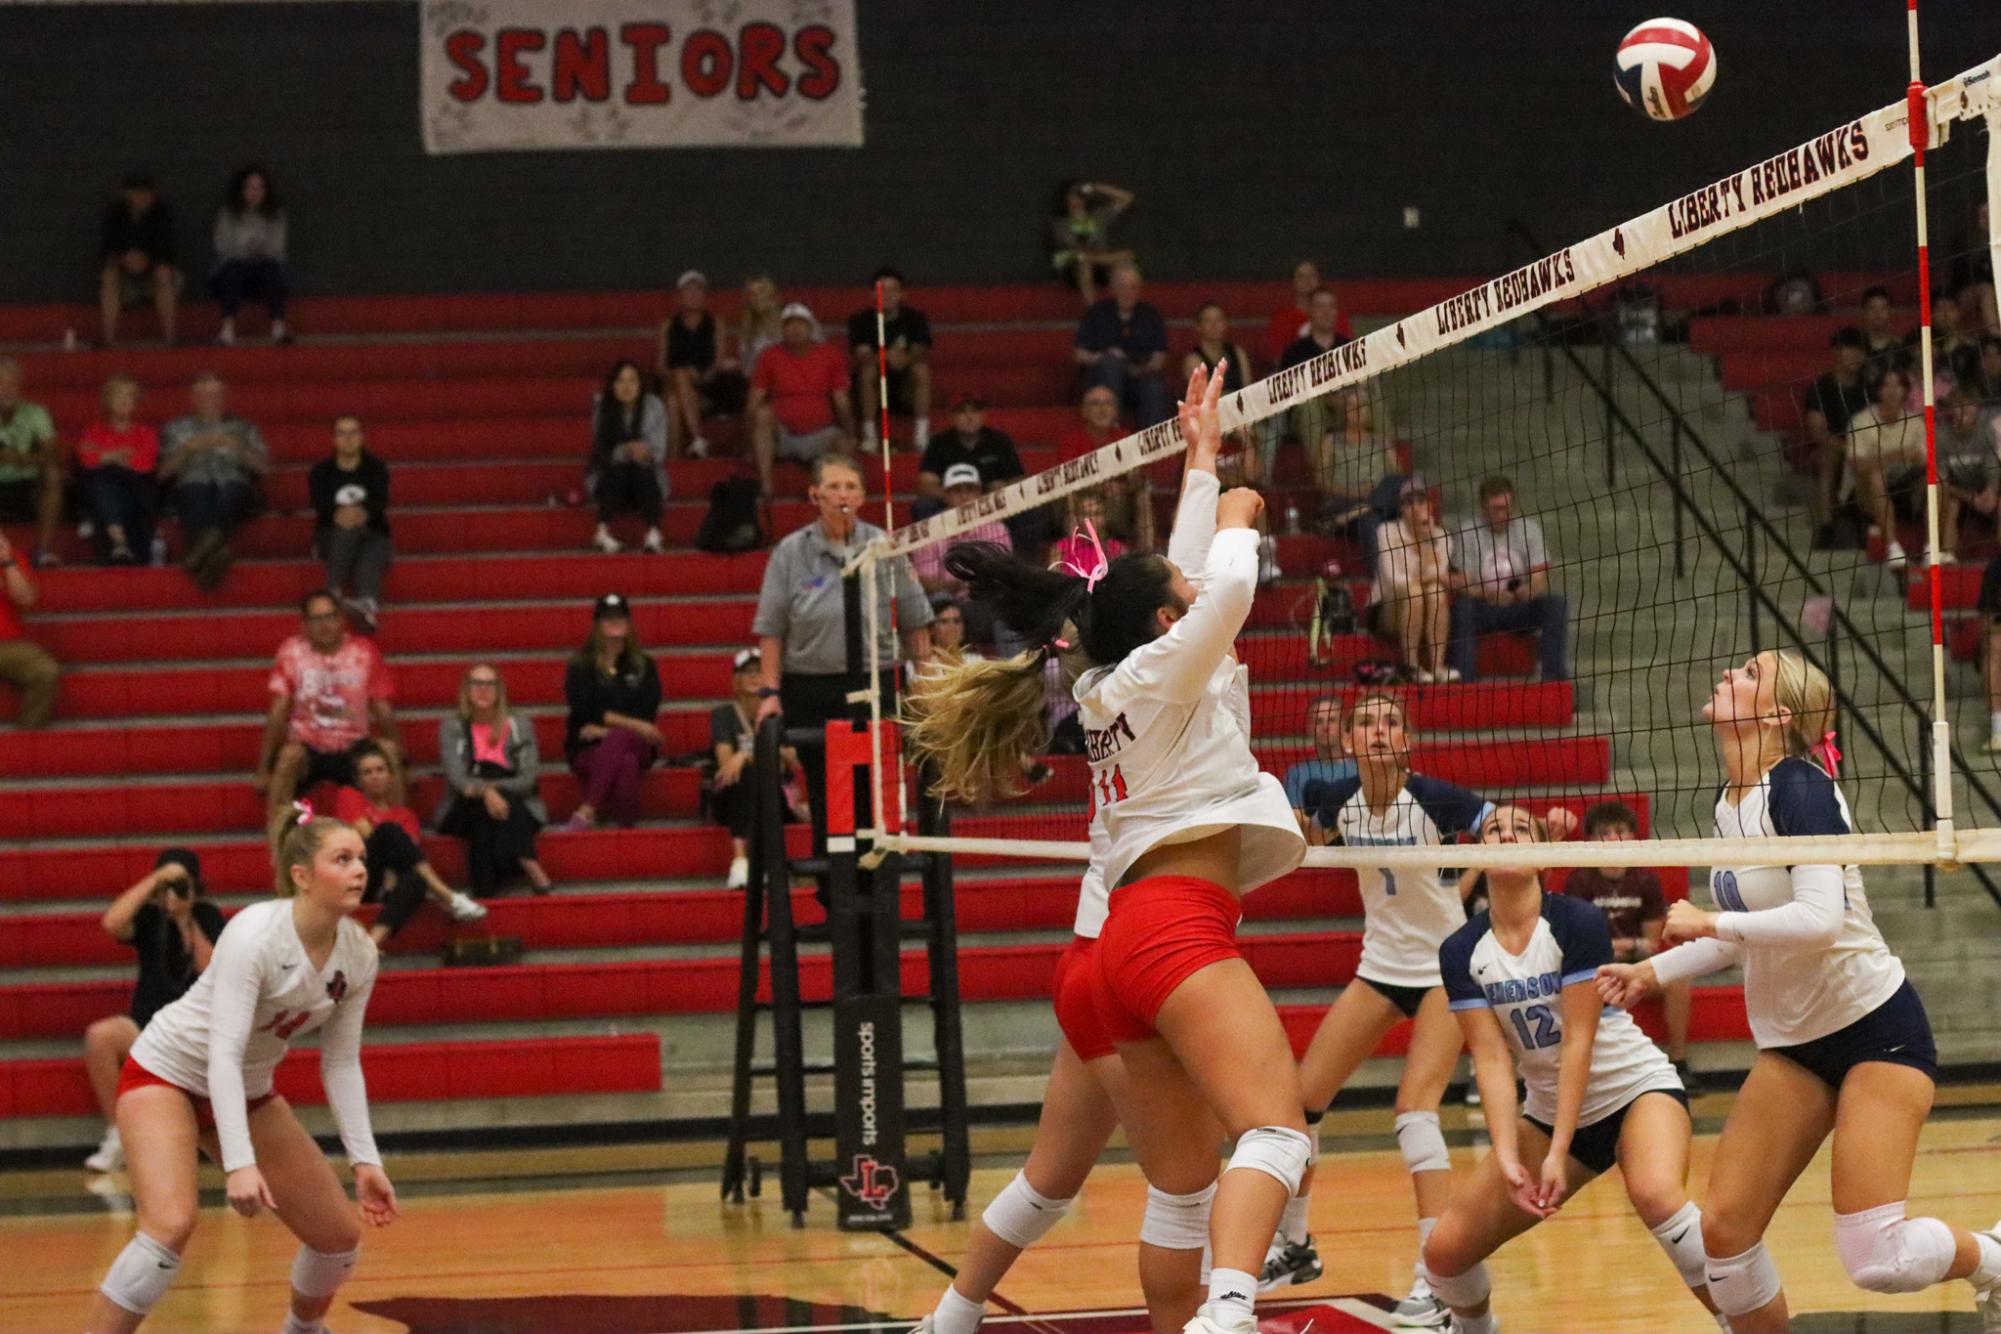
(1201, 426)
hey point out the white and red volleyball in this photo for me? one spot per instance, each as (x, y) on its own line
(1664, 68)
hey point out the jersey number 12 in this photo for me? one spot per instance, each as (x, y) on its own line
(1546, 1033)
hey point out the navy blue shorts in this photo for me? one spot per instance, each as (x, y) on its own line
(1597, 1145)
(1406, 999)
(1896, 1032)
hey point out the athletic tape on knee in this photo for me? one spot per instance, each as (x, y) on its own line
(1019, 1215)
(1885, 1252)
(1467, 1289)
(141, 1274)
(1681, 1237)
(1277, 1151)
(319, 1274)
(1177, 1222)
(1743, 1283)
(1422, 1142)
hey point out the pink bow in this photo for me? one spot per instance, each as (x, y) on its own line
(1830, 757)
(305, 810)
(1093, 575)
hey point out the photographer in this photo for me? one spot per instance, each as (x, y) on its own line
(1502, 570)
(172, 928)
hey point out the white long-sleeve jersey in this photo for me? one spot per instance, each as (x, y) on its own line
(224, 1038)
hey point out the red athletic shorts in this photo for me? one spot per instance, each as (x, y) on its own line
(137, 1076)
(1074, 990)
(1161, 931)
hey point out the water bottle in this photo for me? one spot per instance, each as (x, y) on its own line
(159, 550)
(1291, 517)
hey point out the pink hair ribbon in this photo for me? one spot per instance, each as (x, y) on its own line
(305, 810)
(1830, 756)
(1097, 572)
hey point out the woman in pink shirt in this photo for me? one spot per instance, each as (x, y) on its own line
(118, 456)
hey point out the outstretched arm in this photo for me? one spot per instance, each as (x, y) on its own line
(1195, 516)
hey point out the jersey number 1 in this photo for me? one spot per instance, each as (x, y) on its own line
(1111, 786)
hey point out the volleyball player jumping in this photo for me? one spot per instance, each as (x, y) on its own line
(200, 1078)
(1844, 1046)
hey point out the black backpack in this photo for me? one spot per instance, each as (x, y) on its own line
(734, 522)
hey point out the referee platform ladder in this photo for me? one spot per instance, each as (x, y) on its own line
(870, 1171)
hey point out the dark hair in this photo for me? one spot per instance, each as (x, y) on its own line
(1605, 814)
(1064, 189)
(1208, 306)
(306, 602)
(612, 427)
(1323, 290)
(232, 196)
(1879, 376)
(887, 271)
(1990, 340)
(632, 659)
(1497, 485)
(1112, 620)
(1849, 336)
(1871, 293)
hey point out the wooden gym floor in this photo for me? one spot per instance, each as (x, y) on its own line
(635, 1241)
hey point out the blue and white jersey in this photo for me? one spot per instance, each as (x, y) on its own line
(1813, 959)
(1409, 912)
(1525, 992)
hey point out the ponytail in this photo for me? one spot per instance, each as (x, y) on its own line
(295, 842)
(1802, 690)
(975, 721)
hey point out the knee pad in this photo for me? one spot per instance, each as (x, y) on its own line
(1885, 1252)
(1467, 1289)
(1277, 1151)
(1422, 1142)
(319, 1274)
(1681, 1237)
(1313, 1120)
(1019, 1215)
(1743, 1283)
(1177, 1222)
(141, 1274)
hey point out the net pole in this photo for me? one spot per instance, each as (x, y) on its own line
(1919, 110)
(873, 570)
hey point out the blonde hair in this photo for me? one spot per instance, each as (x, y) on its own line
(1802, 690)
(297, 843)
(499, 693)
(975, 720)
(753, 324)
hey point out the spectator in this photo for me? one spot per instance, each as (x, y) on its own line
(948, 633)
(1955, 349)
(250, 253)
(1314, 420)
(350, 494)
(1973, 276)
(1412, 596)
(1075, 549)
(698, 377)
(908, 334)
(799, 396)
(758, 325)
(1987, 379)
(613, 689)
(118, 456)
(493, 768)
(330, 691)
(801, 626)
(213, 461)
(1830, 403)
(136, 243)
(733, 746)
(169, 922)
(31, 464)
(398, 875)
(1505, 584)
(972, 441)
(962, 487)
(1969, 463)
(1128, 496)
(1886, 346)
(1330, 763)
(628, 468)
(1635, 909)
(24, 664)
(1080, 248)
(1290, 324)
(1212, 348)
(1886, 450)
(1357, 471)
(1122, 345)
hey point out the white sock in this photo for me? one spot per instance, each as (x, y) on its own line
(1474, 1324)
(956, 1315)
(1292, 1223)
(1988, 1272)
(1231, 1292)
(294, 1325)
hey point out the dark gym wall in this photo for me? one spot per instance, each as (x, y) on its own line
(1252, 133)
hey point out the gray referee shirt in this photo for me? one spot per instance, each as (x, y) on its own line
(800, 602)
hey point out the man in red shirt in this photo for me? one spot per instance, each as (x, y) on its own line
(329, 691)
(799, 396)
(24, 664)
(1127, 495)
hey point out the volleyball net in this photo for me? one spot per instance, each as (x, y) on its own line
(1690, 409)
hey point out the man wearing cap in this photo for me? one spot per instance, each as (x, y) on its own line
(907, 334)
(989, 450)
(136, 241)
(962, 487)
(799, 404)
(698, 377)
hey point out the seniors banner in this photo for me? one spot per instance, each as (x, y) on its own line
(503, 75)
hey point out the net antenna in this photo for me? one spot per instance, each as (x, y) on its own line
(1839, 158)
(870, 573)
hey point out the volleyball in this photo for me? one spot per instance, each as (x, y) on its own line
(1664, 68)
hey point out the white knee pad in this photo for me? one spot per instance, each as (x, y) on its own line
(1422, 1142)
(319, 1274)
(1743, 1283)
(1885, 1252)
(1467, 1289)
(1020, 1216)
(141, 1274)
(1681, 1237)
(1278, 1151)
(1177, 1222)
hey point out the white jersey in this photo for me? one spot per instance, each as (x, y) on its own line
(1525, 992)
(1094, 903)
(1167, 730)
(1408, 912)
(224, 1038)
(1813, 959)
